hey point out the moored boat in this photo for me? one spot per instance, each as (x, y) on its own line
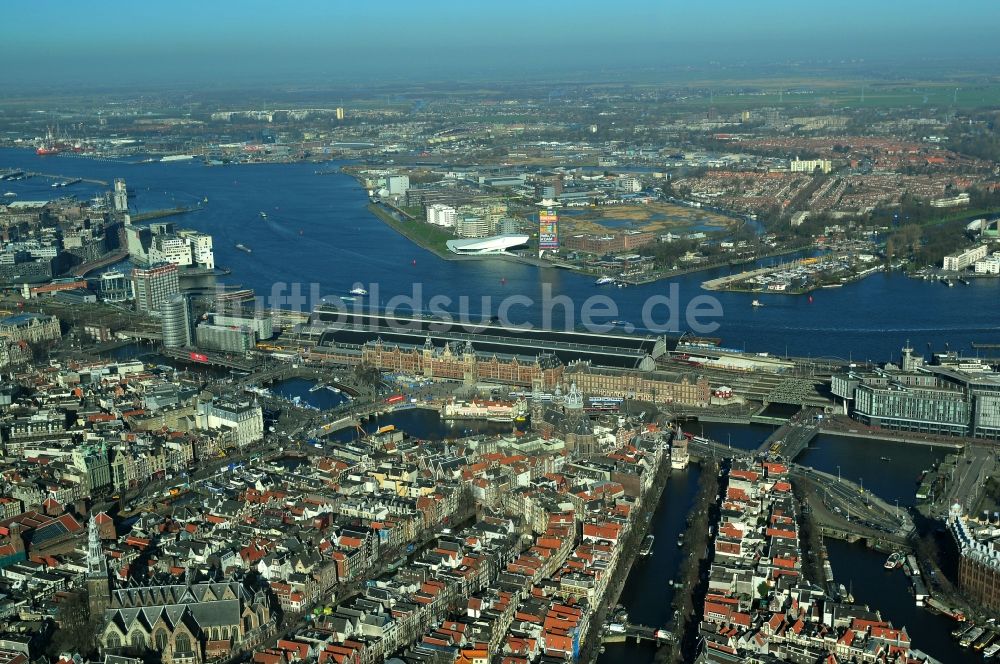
(894, 561)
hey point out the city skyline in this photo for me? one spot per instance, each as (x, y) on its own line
(480, 333)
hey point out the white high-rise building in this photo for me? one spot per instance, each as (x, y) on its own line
(397, 184)
(468, 226)
(201, 248)
(441, 215)
(629, 184)
(989, 265)
(120, 196)
(160, 243)
(244, 419)
(962, 260)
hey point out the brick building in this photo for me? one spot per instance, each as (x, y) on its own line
(653, 386)
(457, 361)
(612, 243)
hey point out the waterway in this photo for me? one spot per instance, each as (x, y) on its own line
(738, 436)
(861, 569)
(323, 399)
(647, 596)
(860, 460)
(426, 424)
(318, 231)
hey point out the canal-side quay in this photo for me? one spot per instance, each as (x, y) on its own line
(650, 595)
(765, 543)
(888, 467)
(649, 505)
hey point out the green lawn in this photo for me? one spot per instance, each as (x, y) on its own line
(419, 232)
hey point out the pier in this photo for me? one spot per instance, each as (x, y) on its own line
(67, 178)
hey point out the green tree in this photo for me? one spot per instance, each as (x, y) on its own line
(75, 632)
(367, 375)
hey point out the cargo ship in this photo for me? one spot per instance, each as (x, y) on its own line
(45, 150)
(937, 605)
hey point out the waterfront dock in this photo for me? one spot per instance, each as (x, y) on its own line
(67, 178)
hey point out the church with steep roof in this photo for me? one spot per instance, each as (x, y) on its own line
(185, 623)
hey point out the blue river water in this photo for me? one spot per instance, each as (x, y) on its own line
(301, 388)
(318, 231)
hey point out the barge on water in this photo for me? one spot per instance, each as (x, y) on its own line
(647, 546)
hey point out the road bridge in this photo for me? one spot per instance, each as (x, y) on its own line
(791, 438)
(276, 372)
(623, 631)
(84, 269)
(851, 506)
(228, 360)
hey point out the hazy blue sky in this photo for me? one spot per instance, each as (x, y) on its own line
(118, 41)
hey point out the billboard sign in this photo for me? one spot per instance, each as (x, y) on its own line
(548, 231)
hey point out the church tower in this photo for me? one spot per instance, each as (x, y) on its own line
(98, 583)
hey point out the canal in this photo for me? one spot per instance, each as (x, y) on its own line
(647, 595)
(426, 424)
(303, 390)
(861, 570)
(738, 436)
(886, 468)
